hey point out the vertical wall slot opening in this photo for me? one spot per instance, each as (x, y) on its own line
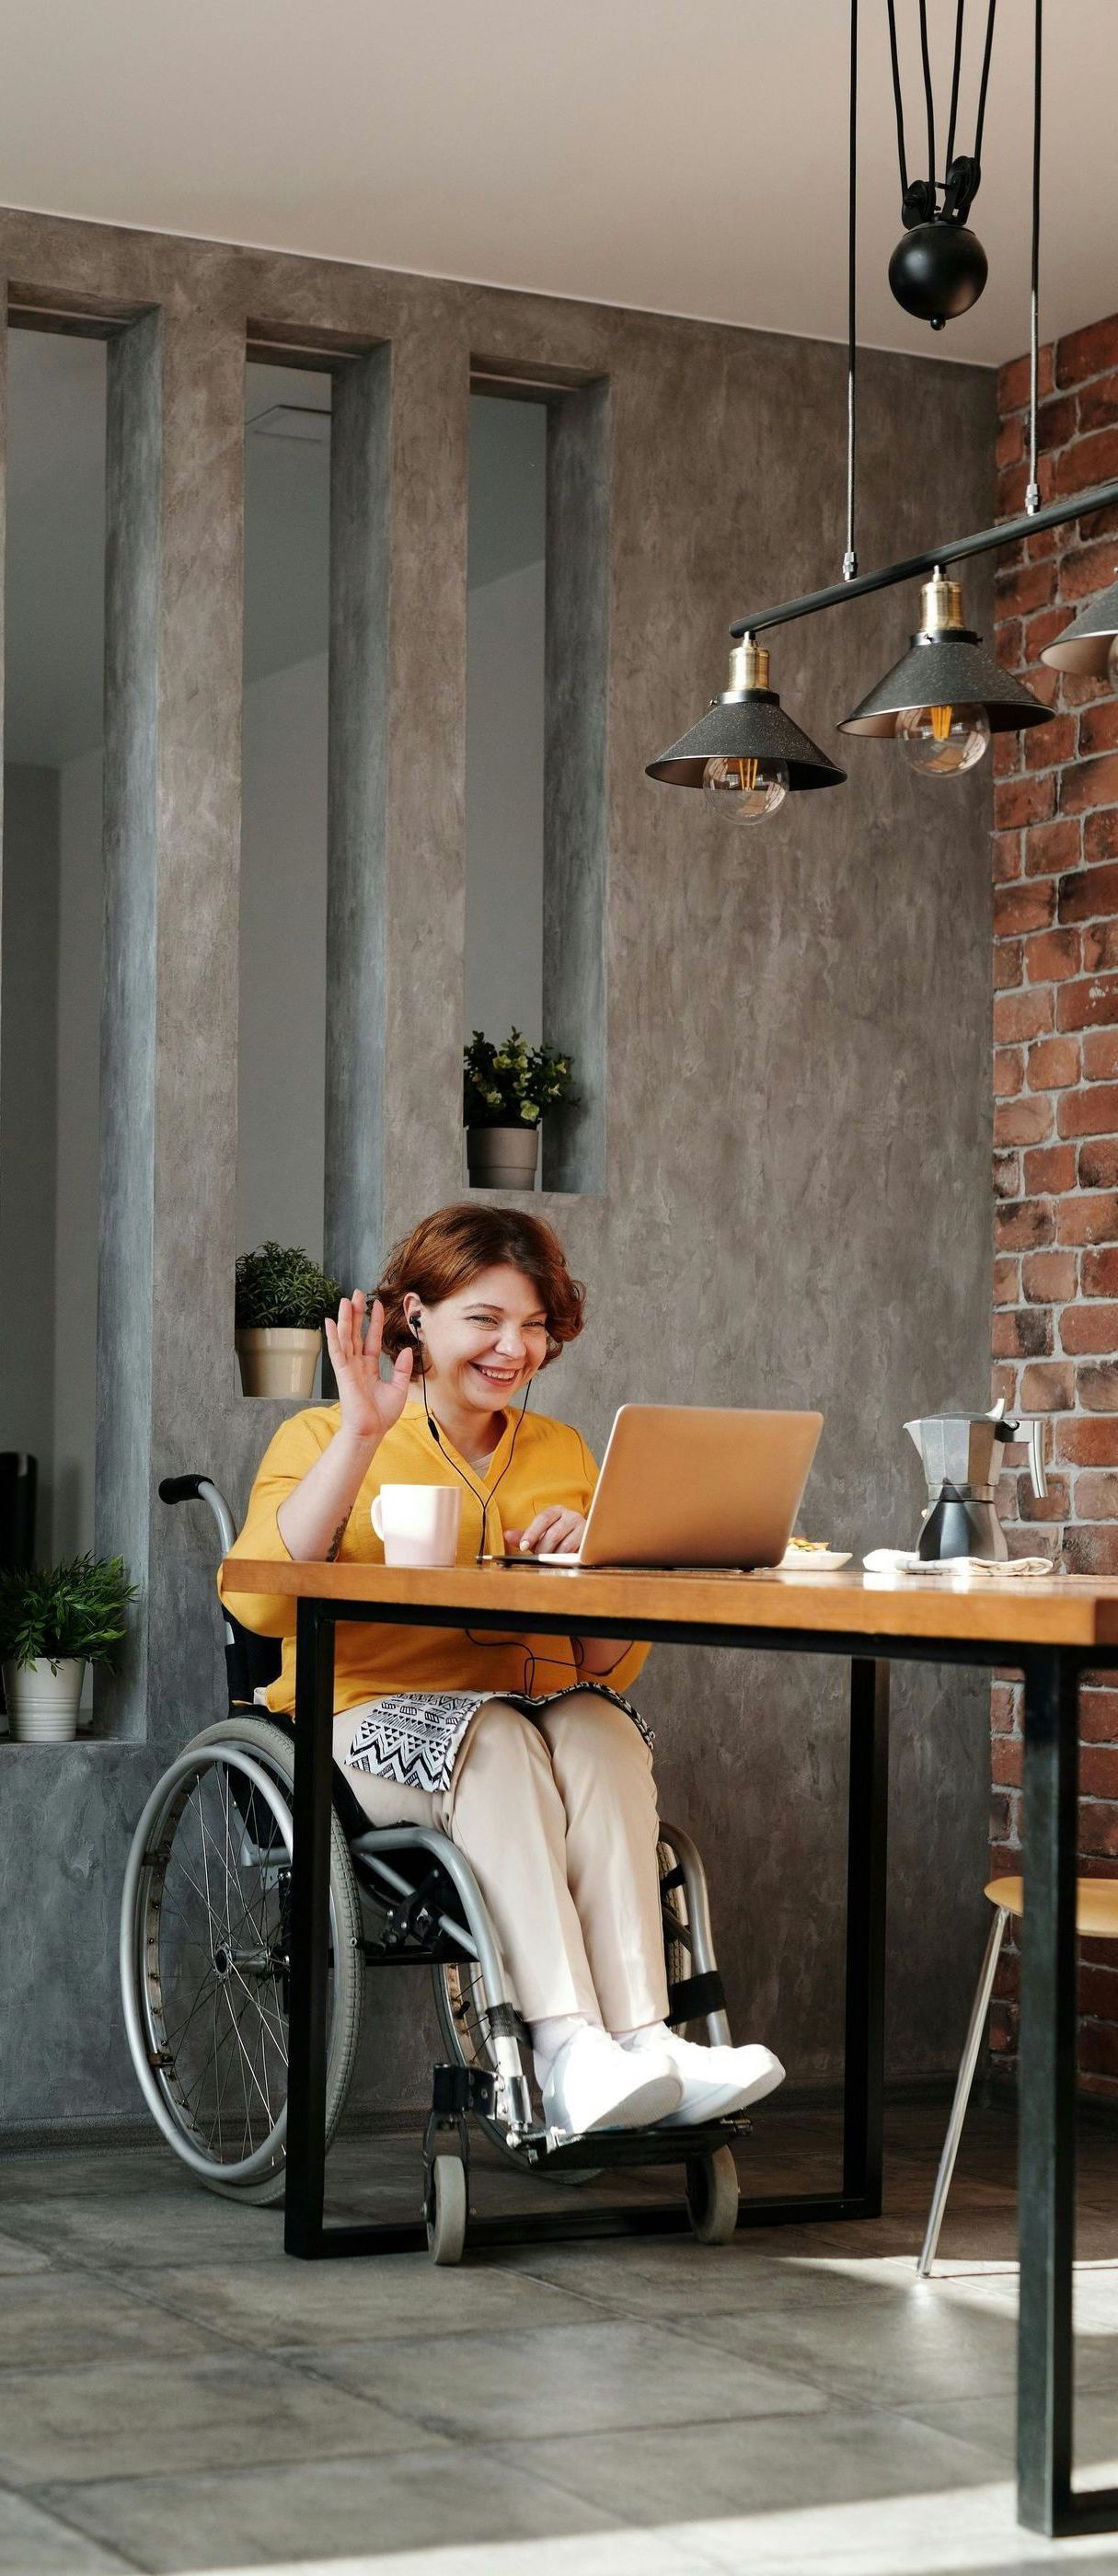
(51, 935)
(281, 1062)
(536, 788)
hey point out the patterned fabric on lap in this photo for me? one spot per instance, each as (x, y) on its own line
(413, 1736)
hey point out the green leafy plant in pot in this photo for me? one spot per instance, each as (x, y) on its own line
(283, 1298)
(507, 1090)
(54, 1620)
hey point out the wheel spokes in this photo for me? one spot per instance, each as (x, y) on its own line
(212, 1945)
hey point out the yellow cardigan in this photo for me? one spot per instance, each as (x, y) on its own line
(551, 1464)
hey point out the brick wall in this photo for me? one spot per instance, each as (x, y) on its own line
(1055, 1326)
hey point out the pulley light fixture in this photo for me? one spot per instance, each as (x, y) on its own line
(947, 694)
(939, 268)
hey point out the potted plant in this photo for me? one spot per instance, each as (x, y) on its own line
(282, 1299)
(54, 1620)
(507, 1090)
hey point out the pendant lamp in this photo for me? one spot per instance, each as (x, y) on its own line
(947, 695)
(1089, 646)
(745, 753)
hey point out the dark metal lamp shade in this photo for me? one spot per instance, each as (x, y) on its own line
(950, 668)
(746, 725)
(1084, 647)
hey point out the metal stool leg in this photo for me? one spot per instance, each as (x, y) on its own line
(975, 2034)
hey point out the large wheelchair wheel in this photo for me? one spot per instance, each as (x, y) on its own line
(204, 1957)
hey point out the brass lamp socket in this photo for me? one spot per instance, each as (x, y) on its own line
(749, 668)
(941, 605)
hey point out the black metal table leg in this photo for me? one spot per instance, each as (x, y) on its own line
(308, 2032)
(1047, 2094)
(864, 2073)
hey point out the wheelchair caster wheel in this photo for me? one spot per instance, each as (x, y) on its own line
(712, 2196)
(446, 2210)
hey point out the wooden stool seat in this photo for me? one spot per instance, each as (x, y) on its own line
(1096, 1904)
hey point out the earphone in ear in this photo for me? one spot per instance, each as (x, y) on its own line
(415, 1327)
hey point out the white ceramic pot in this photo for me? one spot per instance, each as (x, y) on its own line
(42, 1700)
(278, 1359)
(502, 1158)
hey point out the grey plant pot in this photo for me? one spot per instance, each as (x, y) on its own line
(502, 1158)
(43, 1700)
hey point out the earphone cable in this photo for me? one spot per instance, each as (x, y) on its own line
(483, 1500)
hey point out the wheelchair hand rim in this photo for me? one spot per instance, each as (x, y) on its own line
(138, 1869)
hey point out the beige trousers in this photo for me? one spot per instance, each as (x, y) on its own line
(557, 1816)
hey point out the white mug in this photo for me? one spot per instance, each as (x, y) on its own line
(418, 1524)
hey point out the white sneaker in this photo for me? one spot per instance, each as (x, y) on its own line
(715, 2080)
(594, 2084)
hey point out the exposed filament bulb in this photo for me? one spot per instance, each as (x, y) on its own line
(745, 790)
(943, 740)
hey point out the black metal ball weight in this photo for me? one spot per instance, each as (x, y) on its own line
(938, 271)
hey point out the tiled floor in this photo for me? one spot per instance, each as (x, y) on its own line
(177, 2396)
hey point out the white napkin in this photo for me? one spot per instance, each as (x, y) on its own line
(900, 1560)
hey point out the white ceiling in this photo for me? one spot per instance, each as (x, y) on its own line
(683, 155)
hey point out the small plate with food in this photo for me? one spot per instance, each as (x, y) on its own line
(813, 1556)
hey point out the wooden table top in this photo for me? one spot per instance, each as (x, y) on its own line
(1064, 1610)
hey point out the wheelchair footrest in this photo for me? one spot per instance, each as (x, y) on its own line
(458, 2089)
(601, 2147)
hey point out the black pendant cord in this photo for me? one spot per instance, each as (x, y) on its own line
(929, 99)
(960, 184)
(850, 558)
(898, 100)
(983, 86)
(955, 71)
(1032, 495)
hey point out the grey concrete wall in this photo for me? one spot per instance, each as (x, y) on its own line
(793, 1123)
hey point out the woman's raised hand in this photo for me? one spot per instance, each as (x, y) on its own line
(370, 1403)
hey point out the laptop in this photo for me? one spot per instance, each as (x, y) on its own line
(695, 1485)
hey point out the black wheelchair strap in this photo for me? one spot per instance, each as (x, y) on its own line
(695, 1995)
(676, 1877)
(504, 2022)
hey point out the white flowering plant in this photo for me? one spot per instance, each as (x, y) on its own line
(512, 1085)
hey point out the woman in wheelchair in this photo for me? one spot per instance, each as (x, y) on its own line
(524, 1750)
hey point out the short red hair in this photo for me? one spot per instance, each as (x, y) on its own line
(445, 1251)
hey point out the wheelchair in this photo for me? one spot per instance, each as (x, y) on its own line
(205, 1964)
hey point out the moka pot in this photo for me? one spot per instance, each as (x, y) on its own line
(961, 1457)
